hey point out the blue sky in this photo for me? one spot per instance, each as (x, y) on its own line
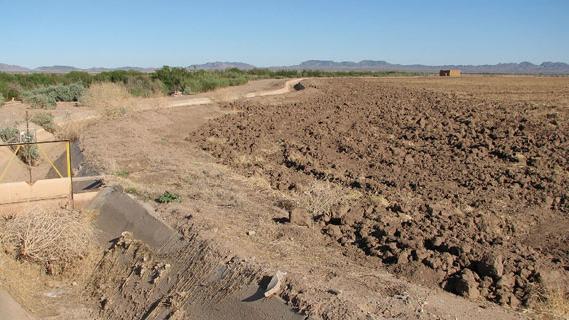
(113, 33)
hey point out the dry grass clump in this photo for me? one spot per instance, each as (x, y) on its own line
(72, 130)
(553, 305)
(57, 240)
(112, 100)
(320, 198)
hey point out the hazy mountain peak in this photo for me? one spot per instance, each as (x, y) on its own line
(524, 67)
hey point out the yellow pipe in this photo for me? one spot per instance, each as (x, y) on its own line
(68, 159)
(67, 150)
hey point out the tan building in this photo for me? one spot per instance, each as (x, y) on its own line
(450, 73)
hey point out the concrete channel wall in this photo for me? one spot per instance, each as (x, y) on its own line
(15, 192)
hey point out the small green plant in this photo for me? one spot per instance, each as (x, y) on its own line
(1, 100)
(9, 135)
(44, 120)
(131, 190)
(39, 100)
(168, 197)
(122, 173)
(27, 153)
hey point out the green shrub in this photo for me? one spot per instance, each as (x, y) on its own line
(47, 97)
(39, 100)
(144, 87)
(1, 99)
(71, 92)
(9, 134)
(27, 153)
(168, 197)
(45, 120)
(10, 90)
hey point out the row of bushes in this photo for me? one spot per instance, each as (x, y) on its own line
(189, 82)
(47, 97)
(20, 86)
(43, 90)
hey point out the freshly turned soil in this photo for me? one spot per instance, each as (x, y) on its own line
(466, 193)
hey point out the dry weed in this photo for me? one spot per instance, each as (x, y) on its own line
(111, 100)
(553, 305)
(71, 131)
(320, 197)
(56, 240)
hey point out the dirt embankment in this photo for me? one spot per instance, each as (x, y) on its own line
(470, 195)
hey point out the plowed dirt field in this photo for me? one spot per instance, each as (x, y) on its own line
(467, 191)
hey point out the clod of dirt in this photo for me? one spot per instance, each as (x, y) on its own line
(491, 265)
(464, 284)
(333, 231)
(300, 217)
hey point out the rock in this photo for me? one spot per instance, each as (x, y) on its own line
(355, 215)
(520, 158)
(437, 241)
(514, 302)
(340, 211)
(251, 233)
(486, 282)
(506, 281)
(300, 217)
(433, 262)
(298, 86)
(381, 200)
(403, 257)
(491, 265)
(464, 285)
(333, 231)
(392, 246)
(550, 279)
(420, 254)
(334, 291)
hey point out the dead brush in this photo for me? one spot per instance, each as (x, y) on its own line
(553, 304)
(57, 240)
(111, 100)
(320, 198)
(72, 130)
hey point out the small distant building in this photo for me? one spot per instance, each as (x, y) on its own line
(450, 73)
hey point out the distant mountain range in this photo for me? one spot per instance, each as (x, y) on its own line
(328, 65)
(64, 69)
(222, 66)
(372, 65)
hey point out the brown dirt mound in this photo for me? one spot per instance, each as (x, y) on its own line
(467, 194)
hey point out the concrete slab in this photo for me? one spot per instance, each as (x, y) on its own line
(118, 212)
(14, 192)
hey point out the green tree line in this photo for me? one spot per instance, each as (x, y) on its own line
(43, 90)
